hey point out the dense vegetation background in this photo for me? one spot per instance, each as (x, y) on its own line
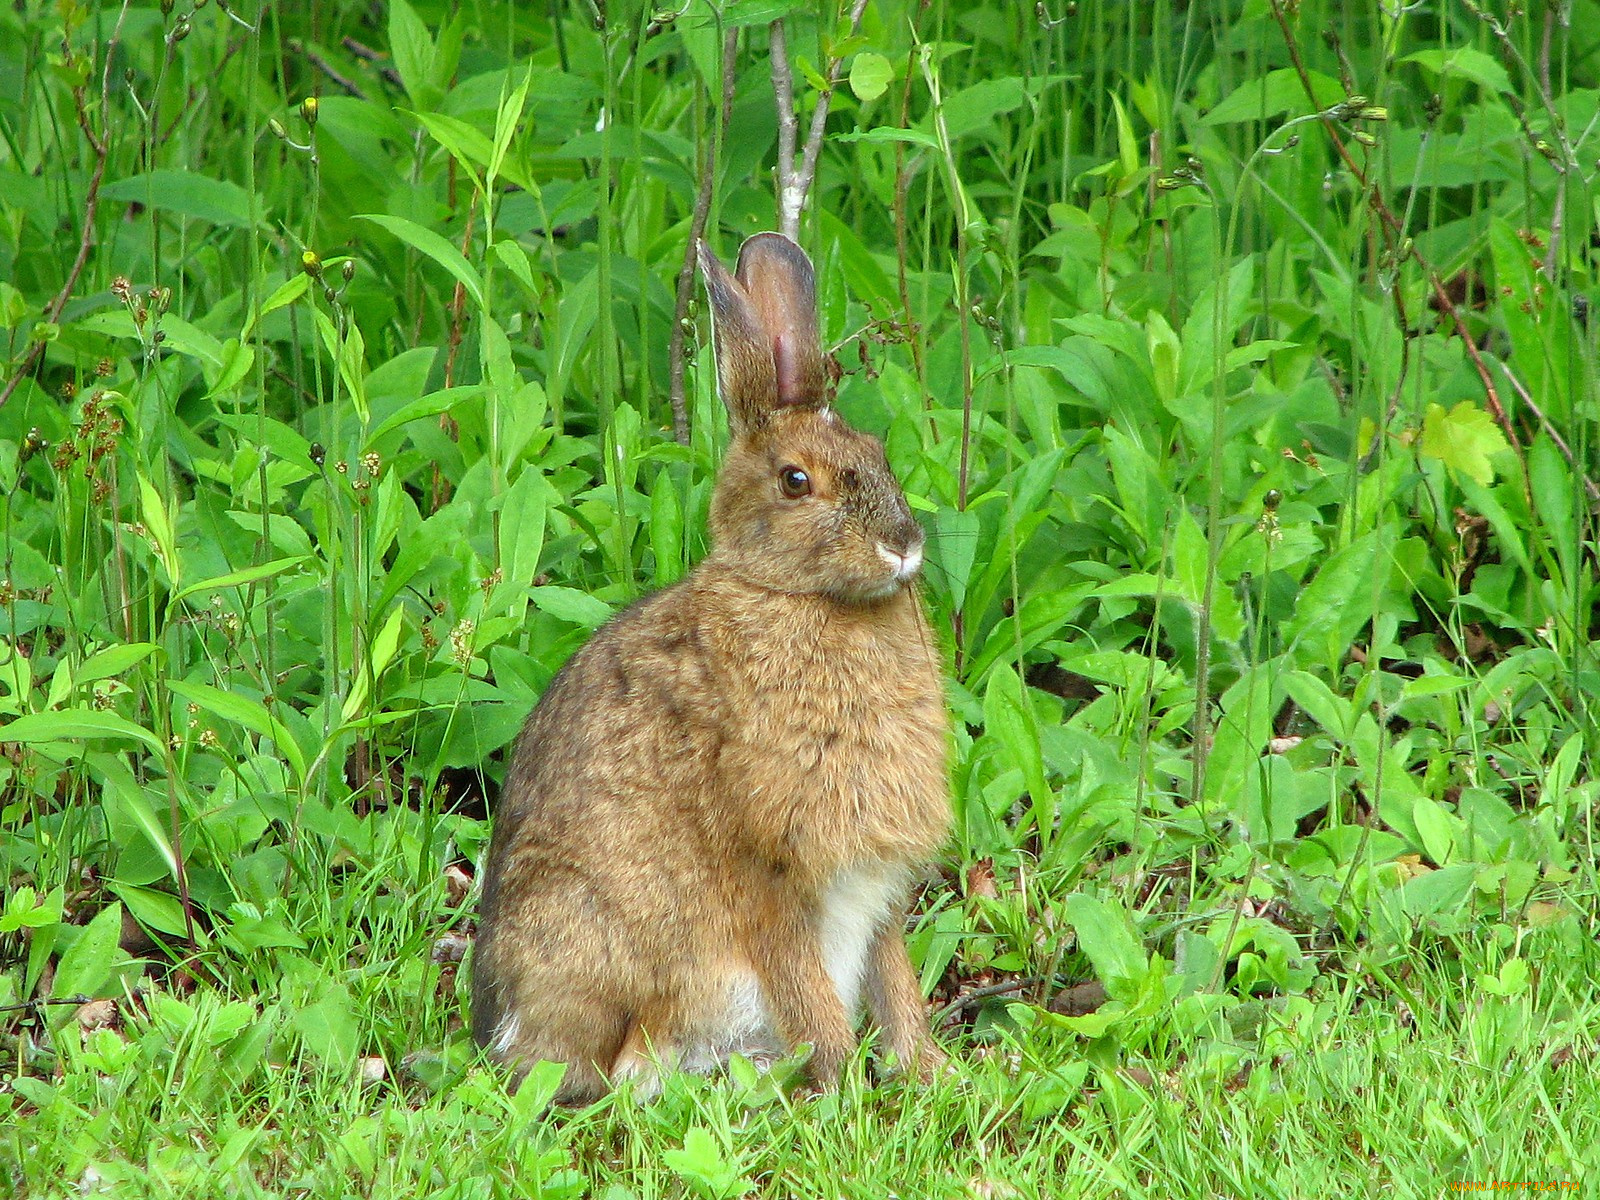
(1240, 358)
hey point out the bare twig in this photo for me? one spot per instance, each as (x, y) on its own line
(795, 177)
(1551, 432)
(363, 51)
(783, 97)
(29, 1005)
(977, 995)
(327, 68)
(91, 201)
(697, 228)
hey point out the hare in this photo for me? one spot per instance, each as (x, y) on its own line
(713, 818)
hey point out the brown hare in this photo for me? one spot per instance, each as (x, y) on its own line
(713, 817)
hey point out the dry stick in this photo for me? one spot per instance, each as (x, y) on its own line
(363, 51)
(977, 995)
(697, 228)
(1552, 433)
(91, 202)
(794, 181)
(327, 68)
(1391, 224)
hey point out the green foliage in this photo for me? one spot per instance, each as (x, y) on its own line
(1240, 360)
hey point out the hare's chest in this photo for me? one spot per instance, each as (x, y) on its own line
(855, 908)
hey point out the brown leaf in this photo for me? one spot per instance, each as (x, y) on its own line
(1079, 1000)
(97, 1014)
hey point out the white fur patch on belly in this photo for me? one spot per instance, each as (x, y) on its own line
(854, 909)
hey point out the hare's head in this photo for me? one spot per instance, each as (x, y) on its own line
(804, 504)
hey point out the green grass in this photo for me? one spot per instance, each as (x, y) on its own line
(1241, 362)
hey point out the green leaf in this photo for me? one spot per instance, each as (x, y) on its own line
(153, 511)
(505, 125)
(435, 247)
(1106, 935)
(1464, 62)
(328, 1027)
(72, 724)
(380, 653)
(955, 549)
(1276, 92)
(88, 967)
(870, 76)
(522, 519)
(246, 712)
(430, 405)
(1463, 439)
(756, 12)
(887, 133)
(115, 660)
(1009, 719)
(569, 604)
(413, 52)
(188, 194)
(241, 577)
(285, 293)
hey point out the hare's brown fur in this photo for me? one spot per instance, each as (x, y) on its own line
(713, 817)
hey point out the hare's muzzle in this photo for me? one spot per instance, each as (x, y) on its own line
(906, 560)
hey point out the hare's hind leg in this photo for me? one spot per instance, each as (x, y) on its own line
(801, 997)
(584, 1037)
(895, 998)
(643, 1059)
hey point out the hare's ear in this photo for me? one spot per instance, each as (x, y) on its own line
(765, 324)
(746, 373)
(778, 278)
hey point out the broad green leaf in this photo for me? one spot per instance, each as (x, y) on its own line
(114, 660)
(1274, 93)
(246, 712)
(756, 12)
(467, 144)
(954, 549)
(240, 578)
(1553, 484)
(186, 193)
(413, 51)
(430, 405)
(90, 965)
(435, 247)
(522, 520)
(328, 1027)
(74, 724)
(379, 655)
(1009, 719)
(1463, 439)
(870, 76)
(285, 293)
(1464, 62)
(153, 511)
(569, 604)
(1107, 937)
(886, 133)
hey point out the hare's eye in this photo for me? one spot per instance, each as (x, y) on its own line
(794, 482)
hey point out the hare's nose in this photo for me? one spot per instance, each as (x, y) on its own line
(905, 563)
